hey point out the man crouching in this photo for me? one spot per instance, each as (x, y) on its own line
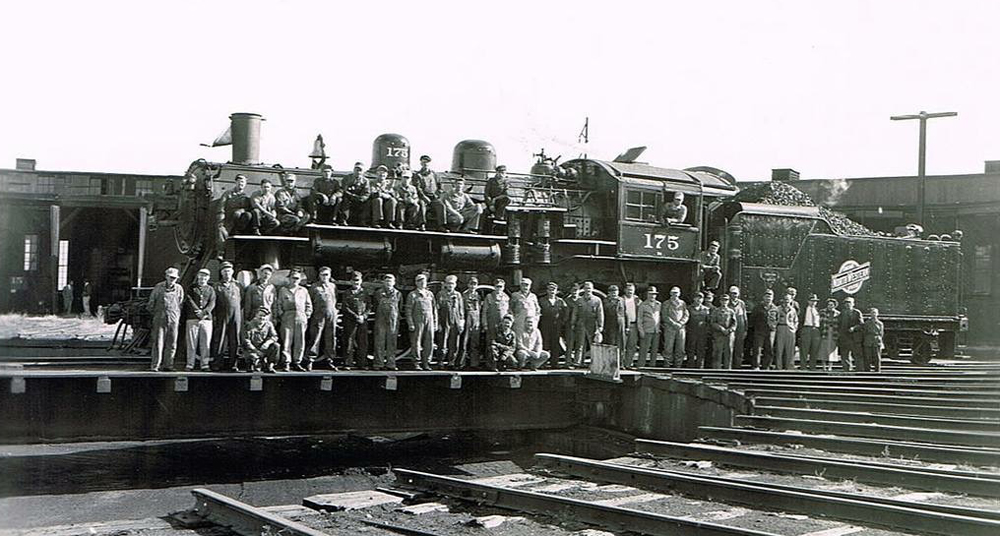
(260, 343)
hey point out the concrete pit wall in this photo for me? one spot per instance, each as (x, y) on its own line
(661, 407)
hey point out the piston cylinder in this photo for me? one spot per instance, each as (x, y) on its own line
(244, 128)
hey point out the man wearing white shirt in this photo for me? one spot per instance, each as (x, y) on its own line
(530, 354)
(631, 332)
(809, 336)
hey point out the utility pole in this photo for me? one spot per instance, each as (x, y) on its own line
(922, 155)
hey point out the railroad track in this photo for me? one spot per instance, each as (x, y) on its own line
(572, 495)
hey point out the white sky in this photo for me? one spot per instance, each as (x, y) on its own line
(745, 86)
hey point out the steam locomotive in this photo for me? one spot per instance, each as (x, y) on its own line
(584, 219)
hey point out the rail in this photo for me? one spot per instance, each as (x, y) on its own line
(614, 517)
(244, 519)
(890, 513)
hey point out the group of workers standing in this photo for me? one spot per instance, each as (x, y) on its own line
(292, 326)
(394, 199)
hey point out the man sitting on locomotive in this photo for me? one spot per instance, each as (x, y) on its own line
(326, 197)
(674, 212)
(429, 191)
(288, 205)
(461, 212)
(383, 201)
(496, 194)
(709, 264)
(236, 208)
(265, 218)
(357, 193)
(408, 211)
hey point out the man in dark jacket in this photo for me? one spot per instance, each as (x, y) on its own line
(849, 335)
(553, 313)
(765, 322)
(228, 319)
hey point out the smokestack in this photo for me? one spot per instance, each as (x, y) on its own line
(784, 175)
(245, 129)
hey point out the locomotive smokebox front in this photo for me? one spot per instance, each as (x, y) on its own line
(473, 158)
(389, 150)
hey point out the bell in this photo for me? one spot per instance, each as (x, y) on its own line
(319, 148)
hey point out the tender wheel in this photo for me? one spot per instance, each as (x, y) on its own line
(947, 345)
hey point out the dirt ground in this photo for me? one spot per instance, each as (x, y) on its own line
(14, 326)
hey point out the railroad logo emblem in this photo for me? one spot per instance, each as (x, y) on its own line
(769, 278)
(850, 277)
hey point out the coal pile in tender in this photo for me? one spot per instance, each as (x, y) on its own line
(784, 194)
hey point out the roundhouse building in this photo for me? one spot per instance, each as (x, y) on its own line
(70, 226)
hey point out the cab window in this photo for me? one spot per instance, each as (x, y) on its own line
(641, 205)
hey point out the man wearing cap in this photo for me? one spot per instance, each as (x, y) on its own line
(739, 308)
(614, 320)
(496, 305)
(723, 324)
(260, 293)
(294, 307)
(260, 342)
(409, 214)
(588, 323)
(553, 313)
(354, 308)
(674, 316)
(265, 218)
(503, 345)
(648, 324)
(325, 198)
(849, 336)
(523, 305)
(383, 202)
(698, 332)
(429, 191)
(200, 302)
(236, 208)
(709, 264)
(809, 335)
(674, 212)
(764, 321)
(828, 320)
(631, 303)
(165, 305)
(496, 194)
(572, 300)
(469, 347)
(288, 205)
(421, 317)
(228, 321)
(784, 334)
(451, 320)
(461, 212)
(386, 301)
(357, 197)
(323, 322)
